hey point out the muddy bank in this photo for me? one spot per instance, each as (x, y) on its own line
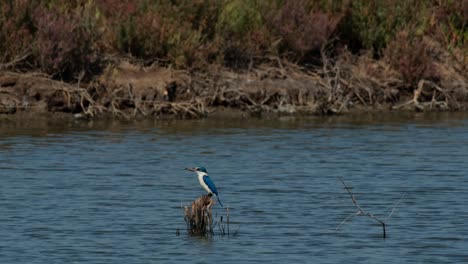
(123, 89)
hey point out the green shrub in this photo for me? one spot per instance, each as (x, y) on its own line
(159, 30)
(371, 24)
(241, 32)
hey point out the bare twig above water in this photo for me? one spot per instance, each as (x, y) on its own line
(394, 207)
(360, 211)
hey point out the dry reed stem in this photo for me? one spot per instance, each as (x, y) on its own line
(199, 217)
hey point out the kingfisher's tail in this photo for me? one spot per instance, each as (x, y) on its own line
(219, 201)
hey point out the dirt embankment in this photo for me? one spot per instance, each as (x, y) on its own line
(128, 90)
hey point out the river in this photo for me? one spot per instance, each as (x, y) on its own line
(113, 191)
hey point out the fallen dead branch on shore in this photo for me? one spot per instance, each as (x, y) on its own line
(337, 86)
(334, 88)
(39, 93)
(440, 98)
(362, 212)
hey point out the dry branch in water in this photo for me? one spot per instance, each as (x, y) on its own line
(360, 211)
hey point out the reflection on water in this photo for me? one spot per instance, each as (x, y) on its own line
(111, 191)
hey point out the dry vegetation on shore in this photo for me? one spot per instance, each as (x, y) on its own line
(186, 58)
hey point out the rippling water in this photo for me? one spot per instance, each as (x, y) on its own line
(111, 192)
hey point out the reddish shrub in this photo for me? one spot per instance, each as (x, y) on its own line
(117, 8)
(301, 30)
(16, 29)
(64, 46)
(412, 57)
(249, 47)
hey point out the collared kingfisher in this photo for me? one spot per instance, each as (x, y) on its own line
(205, 181)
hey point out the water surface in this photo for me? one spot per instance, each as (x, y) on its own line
(112, 192)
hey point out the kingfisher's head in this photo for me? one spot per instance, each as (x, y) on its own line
(197, 169)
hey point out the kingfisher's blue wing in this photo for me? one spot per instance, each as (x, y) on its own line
(210, 184)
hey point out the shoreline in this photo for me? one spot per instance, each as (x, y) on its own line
(131, 91)
(222, 113)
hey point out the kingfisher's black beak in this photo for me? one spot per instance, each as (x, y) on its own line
(190, 169)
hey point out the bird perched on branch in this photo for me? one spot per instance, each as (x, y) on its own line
(205, 181)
